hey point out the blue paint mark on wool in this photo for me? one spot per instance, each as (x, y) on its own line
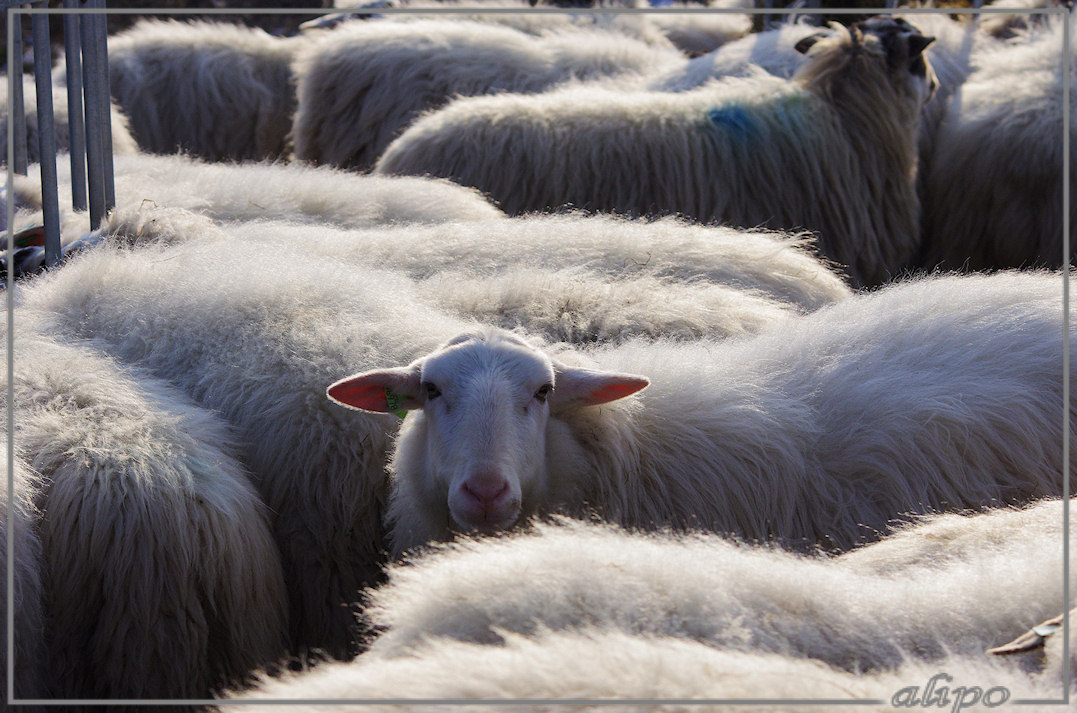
(733, 119)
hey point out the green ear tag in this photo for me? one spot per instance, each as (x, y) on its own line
(393, 401)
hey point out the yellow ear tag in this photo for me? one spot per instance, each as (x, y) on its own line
(394, 401)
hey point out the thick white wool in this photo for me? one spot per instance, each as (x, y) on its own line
(360, 85)
(161, 577)
(257, 336)
(994, 185)
(813, 152)
(570, 575)
(217, 90)
(612, 665)
(822, 429)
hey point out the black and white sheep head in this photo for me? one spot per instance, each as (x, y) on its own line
(896, 42)
(473, 455)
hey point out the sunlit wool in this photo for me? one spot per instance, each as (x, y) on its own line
(832, 150)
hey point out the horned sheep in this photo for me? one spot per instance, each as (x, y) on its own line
(875, 407)
(160, 577)
(833, 150)
(360, 85)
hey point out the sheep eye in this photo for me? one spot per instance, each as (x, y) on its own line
(432, 392)
(542, 393)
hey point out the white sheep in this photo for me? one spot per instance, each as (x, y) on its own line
(993, 195)
(551, 672)
(730, 595)
(216, 90)
(360, 85)
(571, 304)
(580, 307)
(257, 346)
(122, 141)
(821, 430)
(771, 264)
(590, 611)
(27, 596)
(322, 196)
(161, 578)
(833, 150)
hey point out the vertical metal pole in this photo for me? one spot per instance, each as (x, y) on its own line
(18, 107)
(101, 34)
(76, 119)
(91, 80)
(46, 137)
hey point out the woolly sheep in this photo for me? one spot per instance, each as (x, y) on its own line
(161, 578)
(773, 266)
(725, 594)
(549, 667)
(27, 598)
(835, 162)
(574, 305)
(820, 431)
(216, 90)
(362, 84)
(257, 346)
(940, 539)
(993, 195)
(770, 264)
(322, 196)
(122, 141)
(579, 307)
(950, 55)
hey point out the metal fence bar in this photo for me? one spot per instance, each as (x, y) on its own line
(105, 127)
(46, 137)
(17, 105)
(76, 118)
(93, 86)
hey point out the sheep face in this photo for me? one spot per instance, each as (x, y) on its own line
(879, 43)
(473, 453)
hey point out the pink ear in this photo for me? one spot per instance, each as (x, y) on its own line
(381, 391)
(575, 387)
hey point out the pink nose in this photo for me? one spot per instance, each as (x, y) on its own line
(488, 491)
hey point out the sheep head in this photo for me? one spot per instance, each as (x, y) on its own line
(889, 48)
(472, 456)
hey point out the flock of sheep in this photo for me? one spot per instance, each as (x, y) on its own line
(560, 356)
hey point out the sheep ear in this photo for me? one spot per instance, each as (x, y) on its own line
(382, 391)
(575, 387)
(917, 44)
(808, 42)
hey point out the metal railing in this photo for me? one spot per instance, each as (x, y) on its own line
(89, 117)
